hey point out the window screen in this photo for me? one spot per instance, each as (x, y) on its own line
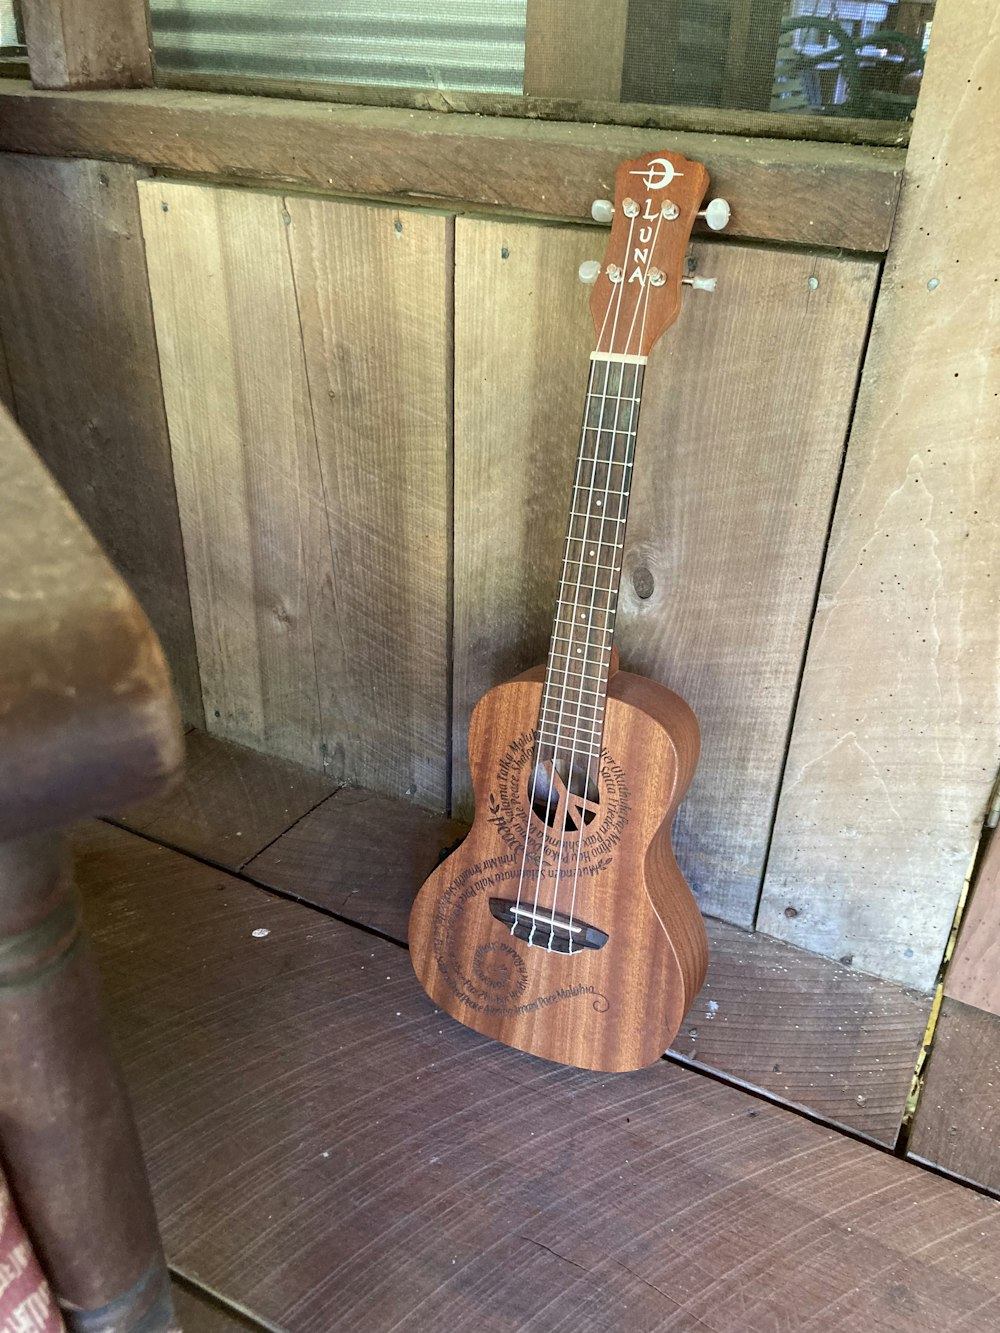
(857, 59)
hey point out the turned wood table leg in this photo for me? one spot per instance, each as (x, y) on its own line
(67, 1138)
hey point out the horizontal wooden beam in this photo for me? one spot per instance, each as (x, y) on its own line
(713, 120)
(831, 195)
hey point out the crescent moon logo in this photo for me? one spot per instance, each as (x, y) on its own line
(659, 173)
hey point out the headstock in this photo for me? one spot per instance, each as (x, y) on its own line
(637, 293)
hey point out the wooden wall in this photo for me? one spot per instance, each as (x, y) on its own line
(305, 356)
(330, 445)
(897, 732)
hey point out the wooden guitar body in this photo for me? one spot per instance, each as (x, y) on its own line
(615, 1002)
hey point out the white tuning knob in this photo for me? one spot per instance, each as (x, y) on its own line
(716, 214)
(700, 284)
(602, 210)
(590, 271)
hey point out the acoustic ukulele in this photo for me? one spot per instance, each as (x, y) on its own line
(562, 924)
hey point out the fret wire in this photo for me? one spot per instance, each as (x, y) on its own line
(559, 638)
(567, 727)
(551, 708)
(592, 564)
(582, 689)
(567, 721)
(562, 665)
(609, 492)
(604, 518)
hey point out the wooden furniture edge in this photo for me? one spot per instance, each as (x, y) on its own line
(88, 720)
(818, 194)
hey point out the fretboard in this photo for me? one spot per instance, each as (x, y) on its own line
(571, 723)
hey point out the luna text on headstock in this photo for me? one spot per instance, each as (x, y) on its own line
(637, 292)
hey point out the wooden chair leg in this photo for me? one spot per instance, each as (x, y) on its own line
(67, 1138)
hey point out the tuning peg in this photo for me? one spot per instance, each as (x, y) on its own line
(699, 284)
(716, 214)
(602, 210)
(590, 271)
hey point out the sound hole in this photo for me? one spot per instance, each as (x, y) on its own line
(564, 794)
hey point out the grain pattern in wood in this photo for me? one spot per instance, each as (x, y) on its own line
(232, 803)
(331, 1154)
(736, 464)
(360, 856)
(198, 1313)
(895, 742)
(711, 120)
(810, 1032)
(973, 974)
(319, 580)
(249, 477)
(76, 323)
(575, 51)
(616, 1003)
(88, 43)
(374, 289)
(806, 193)
(957, 1124)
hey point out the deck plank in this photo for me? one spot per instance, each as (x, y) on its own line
(957, 1125)
(197, 1313)
(360, 856)
(329, 1152)
(232, 803)
(810, 1032)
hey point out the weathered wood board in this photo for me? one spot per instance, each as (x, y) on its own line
(200, 1313)
(360, 856)
(328, 1153)
(304, 352)
(973, 974)
(808, 1031)
(745, 409)
(232, 803)
(781, 190)
(76, 324)
(957, 1125)
(897, 732)
(88, 43)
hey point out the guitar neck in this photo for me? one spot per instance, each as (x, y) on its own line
(571, 723)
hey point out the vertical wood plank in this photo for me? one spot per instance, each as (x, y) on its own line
(88, 43)
(957, 1124)
(374, 289)
(244, 448)
(305, 369)
(575, 50)
(76, 322)
(974, 971)
(745, 409)
(897, 734)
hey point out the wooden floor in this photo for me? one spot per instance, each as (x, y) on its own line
(329, 1153)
